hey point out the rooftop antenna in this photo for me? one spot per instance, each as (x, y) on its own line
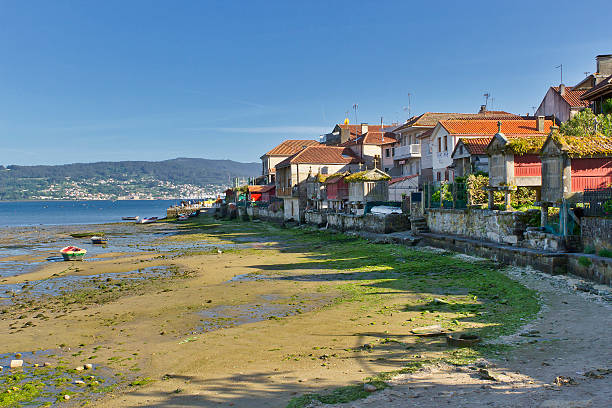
(382, 130)
(533, 108)
(586, 73)
(409, 107)
(560, 66)
(355, 106)
(487, 96)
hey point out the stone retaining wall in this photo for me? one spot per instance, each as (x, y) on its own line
(265, 214)
(382, 224)
(496, 226)
(596, 232)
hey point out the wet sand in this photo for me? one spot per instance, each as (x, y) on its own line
(236, 318)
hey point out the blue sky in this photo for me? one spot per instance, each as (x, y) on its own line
(151, 80)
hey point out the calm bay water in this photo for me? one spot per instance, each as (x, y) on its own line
(25, 213)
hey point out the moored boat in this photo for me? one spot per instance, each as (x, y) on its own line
(99, 240)
(148, 220)
(130, 218)
(183, 217)
(72, 253)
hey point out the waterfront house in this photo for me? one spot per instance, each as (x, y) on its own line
(413, 152)
(562, 102)
(370, 148)
(367, 186)
(277, 155)
(514, 156)
(447, 133)
(571, 164)
(292, 173)
(344, 132)
(402, 186)
(470, 156)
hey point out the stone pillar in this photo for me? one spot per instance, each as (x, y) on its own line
(544, 215)
(507, 199)
(491, 201)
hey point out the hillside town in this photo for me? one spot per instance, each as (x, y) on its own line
(517, 188)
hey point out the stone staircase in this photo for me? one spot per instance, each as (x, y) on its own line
(419, 224)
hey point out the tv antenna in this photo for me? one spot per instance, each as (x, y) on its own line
(355, 106)
(409, 95)
(486, 96)
(560, 66)
(533, 108)
(586, 73)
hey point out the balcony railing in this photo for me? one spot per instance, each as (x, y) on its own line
(407, 152)
(287, 191)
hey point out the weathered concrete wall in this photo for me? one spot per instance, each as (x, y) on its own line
(596, 232)
(382, 224)
(592, 267)
(496, 226)
(315, 217)
(265, 214)
(553, 263)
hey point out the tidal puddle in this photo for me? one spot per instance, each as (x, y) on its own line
(56, 286)
(273, 307)
(37, 384)
(248, 277)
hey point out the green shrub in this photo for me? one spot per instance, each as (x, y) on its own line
(589, 249)
(584, 261)
(605, 253)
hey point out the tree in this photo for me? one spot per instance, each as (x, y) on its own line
(586, 123)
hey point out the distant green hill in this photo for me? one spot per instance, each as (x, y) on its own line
(25, 182)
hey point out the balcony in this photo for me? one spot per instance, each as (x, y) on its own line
(407, 152)
(287, 191)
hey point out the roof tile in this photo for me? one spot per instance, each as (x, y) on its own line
(289, 147)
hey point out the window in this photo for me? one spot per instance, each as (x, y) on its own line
(393, 151)
(439, 144)
(445, 143)
(386, 169)
(438, 177)
(461, 149)
(387, 153)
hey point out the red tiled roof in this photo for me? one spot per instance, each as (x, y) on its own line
(572, 97)
(289, 147)
(476, 146)
(398, 179)
(260, 189)
(372, 138)
(355, 130)
(431, 119)
(489, 127)
(322, 155)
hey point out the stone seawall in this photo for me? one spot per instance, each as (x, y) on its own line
(382, 224)
(596, 232)
(505, 227)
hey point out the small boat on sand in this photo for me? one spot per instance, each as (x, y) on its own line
(130, 218)
(148, 220)
(99, 240)
(72, 253)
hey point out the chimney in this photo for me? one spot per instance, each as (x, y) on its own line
(604, 64)
(345, 134)
(540, 124)
(561, 89)
(364, 128)
(483, 109)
